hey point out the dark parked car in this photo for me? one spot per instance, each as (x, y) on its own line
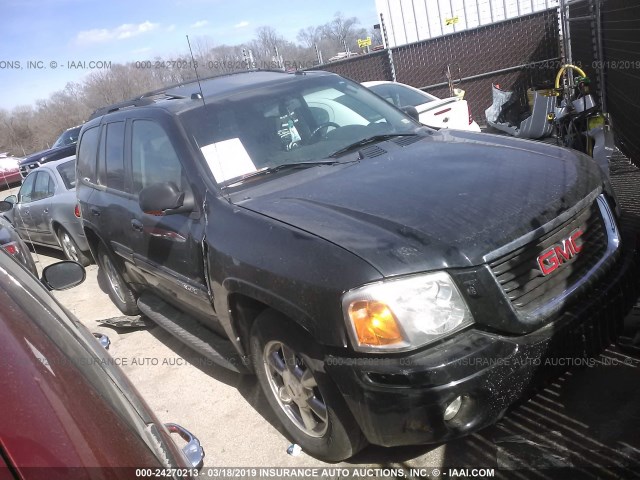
(64, 146)
(11, 243)
(386, 282)
(67, 408)
(45, 211)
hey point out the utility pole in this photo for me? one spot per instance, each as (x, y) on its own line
(319, 54)
(385, 39)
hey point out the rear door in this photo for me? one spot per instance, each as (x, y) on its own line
(22, 209)
(40, 207)
(111, 201)
(168, 249)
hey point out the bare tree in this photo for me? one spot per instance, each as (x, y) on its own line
(17, 127)
(310, 36)
(342, 31)
(268, 39)
(26, 129)
(376, 36)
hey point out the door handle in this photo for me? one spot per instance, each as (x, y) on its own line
(137, 225)
(46, 210)
(95, 211)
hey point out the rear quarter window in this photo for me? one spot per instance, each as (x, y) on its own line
(67, 172)
(87, 155)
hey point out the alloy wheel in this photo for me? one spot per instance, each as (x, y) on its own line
(295, 389)
(112, 276)
(69, 247)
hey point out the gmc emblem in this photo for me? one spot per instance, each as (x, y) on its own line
(553, 257)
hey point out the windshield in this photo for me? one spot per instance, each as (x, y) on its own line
(67, 171)
(70, 137)
(401, 96)
(302, 119)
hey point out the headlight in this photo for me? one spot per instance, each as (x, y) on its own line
(404, 314)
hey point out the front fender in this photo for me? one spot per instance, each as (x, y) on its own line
(285, 268)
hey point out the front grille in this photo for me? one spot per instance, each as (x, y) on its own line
(521, 278)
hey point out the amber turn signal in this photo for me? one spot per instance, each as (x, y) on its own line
(374, 323)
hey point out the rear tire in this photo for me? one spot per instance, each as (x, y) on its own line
(70, 248)
(304, 399)
(119, 292)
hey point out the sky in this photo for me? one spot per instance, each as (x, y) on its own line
(44, 44)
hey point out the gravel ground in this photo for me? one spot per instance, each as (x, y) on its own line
(586, 421)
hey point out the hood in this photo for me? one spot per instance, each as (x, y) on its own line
(445, 200)
(59, 152)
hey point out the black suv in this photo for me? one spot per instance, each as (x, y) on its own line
(64, 146)
(386, 282)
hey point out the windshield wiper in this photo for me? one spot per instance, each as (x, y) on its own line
(367, 141)
(277, 168)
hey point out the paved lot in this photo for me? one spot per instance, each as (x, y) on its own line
(587, 421)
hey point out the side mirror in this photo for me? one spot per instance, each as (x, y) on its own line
(63, 275)
(412, 112)
(11, 199)
(5, 206)
(156, 199)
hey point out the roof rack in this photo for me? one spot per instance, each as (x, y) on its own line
(134, 102)
(147, 98)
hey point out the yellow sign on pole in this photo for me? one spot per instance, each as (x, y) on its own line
(364, 42)
(451, 21)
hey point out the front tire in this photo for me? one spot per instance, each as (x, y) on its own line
(304, 399)
(119, 292)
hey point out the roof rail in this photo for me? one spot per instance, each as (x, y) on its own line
(134, 102)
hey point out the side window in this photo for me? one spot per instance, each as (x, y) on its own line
(41, 187)
(52, 187)
(25, 194)
(153, 158)
(114, 156)
(87, 152)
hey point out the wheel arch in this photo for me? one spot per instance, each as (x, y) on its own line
(245, 305)
(56, 226)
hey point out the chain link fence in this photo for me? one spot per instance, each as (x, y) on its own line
(515, 53)
(604, 38)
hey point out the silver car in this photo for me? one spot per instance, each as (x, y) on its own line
(45, 211)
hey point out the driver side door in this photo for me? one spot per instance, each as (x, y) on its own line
(168, 249)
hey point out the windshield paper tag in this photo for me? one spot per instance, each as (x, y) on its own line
(293, 131)
(228, 159)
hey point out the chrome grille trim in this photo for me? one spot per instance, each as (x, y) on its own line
(611, 240)
(540, 231)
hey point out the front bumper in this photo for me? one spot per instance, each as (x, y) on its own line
(400, 400)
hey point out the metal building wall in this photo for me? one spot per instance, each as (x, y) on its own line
(410, 21)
